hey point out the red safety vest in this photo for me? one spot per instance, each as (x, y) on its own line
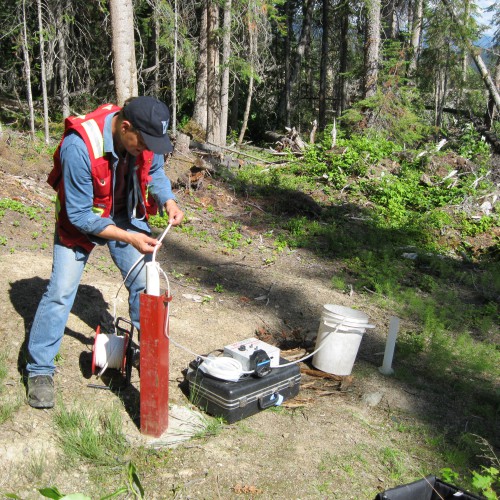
(90, 128)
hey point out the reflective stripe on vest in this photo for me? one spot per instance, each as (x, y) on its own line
(95, 137)
(58, 206)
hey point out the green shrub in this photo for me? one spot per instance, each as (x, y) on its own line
(472, 146)
(391, 114)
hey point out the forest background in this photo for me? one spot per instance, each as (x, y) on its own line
(345, 121)
(259, 66)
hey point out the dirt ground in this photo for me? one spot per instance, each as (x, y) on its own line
(328, 442)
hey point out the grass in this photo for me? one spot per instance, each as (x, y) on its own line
(37, 465)
(10, 401)
(393, 461)
(17, 206)
(211, 427)
(90, 437)
(346, 468)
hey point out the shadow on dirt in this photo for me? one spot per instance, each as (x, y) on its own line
(91, 308)
(25, 295)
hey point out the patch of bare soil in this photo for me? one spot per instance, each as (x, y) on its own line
(336, 439)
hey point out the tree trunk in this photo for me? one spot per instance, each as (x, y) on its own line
(372, 44)
(474, 52)
(213, 81)
(157, 27)
(441, 90)
(490, 115)
(235, 104)
(226, 54)
(174, 69)
(389, 17)
(343, 53)
(252, 42)
(247, 112)
(488, 81)
(43, 74)
(437, 88)
(444, 95)
(62, 36)
(464, 52)
(124, 64)
(201, 100)
(27, 73)
(416, 30)
(304, 39)
(305, 36)
(324, 66)
(288, 65)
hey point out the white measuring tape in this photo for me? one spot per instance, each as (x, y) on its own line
(109, 352)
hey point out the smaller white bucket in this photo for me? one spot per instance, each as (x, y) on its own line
(342, 313)
(338, 339)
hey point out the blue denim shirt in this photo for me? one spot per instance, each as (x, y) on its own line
(79, 191)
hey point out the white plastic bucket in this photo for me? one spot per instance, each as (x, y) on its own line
(338, 339)
(340, 313)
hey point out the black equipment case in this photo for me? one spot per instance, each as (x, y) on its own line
(237, 400)
(429, 488)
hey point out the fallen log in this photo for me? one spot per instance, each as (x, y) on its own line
(271, 136)
(291, 140)
(213, 149)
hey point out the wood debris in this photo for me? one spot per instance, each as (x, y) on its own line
(293, 354)
(298, 403)
(320, 374)
(246, 489)
(307, 385)
(342, 383)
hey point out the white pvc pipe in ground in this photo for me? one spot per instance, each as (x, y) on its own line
(386, 368)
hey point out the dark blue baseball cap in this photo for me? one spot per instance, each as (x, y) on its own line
(150, 117)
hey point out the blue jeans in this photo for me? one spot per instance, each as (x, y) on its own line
(53, 311)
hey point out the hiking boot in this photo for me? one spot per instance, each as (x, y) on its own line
(41, 391)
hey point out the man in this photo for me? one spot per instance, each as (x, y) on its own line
(108, 173)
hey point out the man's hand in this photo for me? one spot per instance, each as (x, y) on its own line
(141, 242)
(175, 214)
